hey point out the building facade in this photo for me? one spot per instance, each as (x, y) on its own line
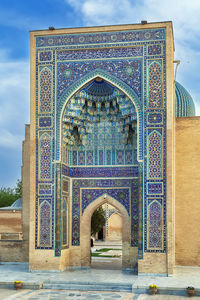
(104, 130)
(101, 130)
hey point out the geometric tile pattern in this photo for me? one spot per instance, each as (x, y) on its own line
(155, 224)
(45, 189)
(89, 195)
(154, 118)
(155, 85)
(105, 53)
(45, 156)
(45, 223)
(45, 90)
(116, 66)
(99, 38)
(154, 147)
(45, 122)
(85, 191)
(45, 56)
(142, 77)
(154, 188)
(155, 49)
(93, 172)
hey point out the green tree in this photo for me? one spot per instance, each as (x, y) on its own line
(9, 195)
(98, 220)
(18, 189)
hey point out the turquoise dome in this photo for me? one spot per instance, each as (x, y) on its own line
(184, 103)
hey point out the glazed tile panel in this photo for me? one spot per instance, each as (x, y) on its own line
(133, 61)
(85, 191)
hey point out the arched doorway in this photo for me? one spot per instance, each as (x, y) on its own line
(129, 256)
(106, 252)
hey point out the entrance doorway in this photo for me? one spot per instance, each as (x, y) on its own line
(128, 253)
(106, 249)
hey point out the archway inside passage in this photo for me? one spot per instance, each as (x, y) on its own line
(86, 233)
(106, 237)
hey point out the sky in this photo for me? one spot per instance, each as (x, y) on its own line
(18, 17)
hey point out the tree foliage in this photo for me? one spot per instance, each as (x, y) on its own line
(9, 195)
(18, 189)
(98, 220)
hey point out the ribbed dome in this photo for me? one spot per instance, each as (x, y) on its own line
(99, 88)
(184, 103)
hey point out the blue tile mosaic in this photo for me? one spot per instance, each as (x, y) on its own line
(101, 38)
(104, 53)
(133, 62)
(122, 195)
(85, 191)
(154, 188)
(103, 172)
(45, 122)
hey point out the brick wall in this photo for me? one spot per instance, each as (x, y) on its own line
(187, 209)
(10, 221)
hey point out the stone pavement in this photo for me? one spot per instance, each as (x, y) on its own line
(182, 278)
(87, 281)
(9, 272)
(63, 294)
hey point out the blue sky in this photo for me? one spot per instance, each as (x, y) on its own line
(17, 17)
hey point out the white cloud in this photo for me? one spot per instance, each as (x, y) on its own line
(100, 12)
(14, 99)
(183, 13)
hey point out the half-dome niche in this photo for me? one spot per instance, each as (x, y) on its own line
(99, 126)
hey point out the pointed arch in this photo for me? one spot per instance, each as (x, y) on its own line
(127, 90)
(85, 229)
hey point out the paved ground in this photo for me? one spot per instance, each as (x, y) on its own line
(103, 272)
(19, 271)
(183, 276)
(114, 263)
(62, 295)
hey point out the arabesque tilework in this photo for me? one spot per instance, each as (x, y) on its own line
(154, 145)
(85, 191)
(45, 223)
(155, 84)
(45, 89)
(155, 221)
(134, 63)
(45, 156)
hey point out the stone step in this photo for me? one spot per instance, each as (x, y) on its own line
(164, 290)
(26, 285)
(88, 286)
